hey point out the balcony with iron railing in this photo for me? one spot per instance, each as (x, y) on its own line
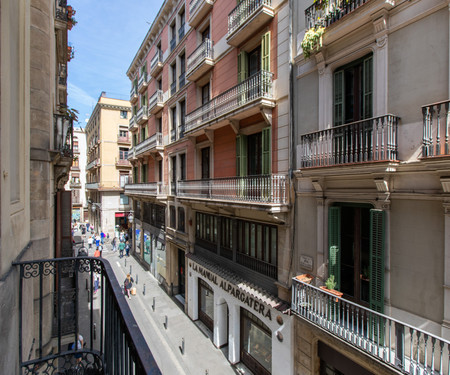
(125, 180)
(173, 135)
(63, 305)
(181, 129)
(323, 14)
(198, 10)
(142, 83)
(150, 145)
(247, 18)
(200, 61)
(156, 103)
(75, 184)
(142, 115)
(147, 189)
(261, 189)
(241, 101)
(370, 140)
(436, 130)
(133, 124)
(156, 64)
(133, 94)
(399, 346)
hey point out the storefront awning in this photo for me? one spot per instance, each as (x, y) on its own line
(122, 214)
(242, 284)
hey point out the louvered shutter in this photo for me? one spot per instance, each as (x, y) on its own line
(377, 234)
(367, 87)
(266, 148)
(334, 244)
(339, 98)
(265, 52)
(242, 66)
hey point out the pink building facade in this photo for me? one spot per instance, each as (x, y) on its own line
(211, 158)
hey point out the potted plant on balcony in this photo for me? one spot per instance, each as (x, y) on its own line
(312, 40)
(330, 284)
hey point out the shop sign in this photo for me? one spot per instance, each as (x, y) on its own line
(251, 302)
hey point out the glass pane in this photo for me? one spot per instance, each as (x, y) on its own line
(266, 244)
(257, 343)
(259, 241)
(246, 238)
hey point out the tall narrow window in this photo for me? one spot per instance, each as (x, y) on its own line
(182, 167)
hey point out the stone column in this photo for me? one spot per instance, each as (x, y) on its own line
(380, 65)
(220, 321)
(234, 335)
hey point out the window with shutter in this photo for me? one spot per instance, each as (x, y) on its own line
(266, 151)
(265, 52)
(377, 240)
(334, 244)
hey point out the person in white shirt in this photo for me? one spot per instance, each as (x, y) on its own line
(90, 242)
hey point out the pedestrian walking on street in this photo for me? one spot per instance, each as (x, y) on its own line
(102, 237)
(96, 284)
(90, 242)
(127, 249)
(100, 248)
(121, 249)
(127, 285)
(114, 244)
(97, 240)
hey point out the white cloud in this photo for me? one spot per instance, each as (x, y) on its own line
(78, 95)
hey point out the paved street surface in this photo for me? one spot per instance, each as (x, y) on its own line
(200, 355)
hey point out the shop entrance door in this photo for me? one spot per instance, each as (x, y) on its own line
(181, 273)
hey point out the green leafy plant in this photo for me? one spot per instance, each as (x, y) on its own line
(69, 112)
(330, 283)
(312, 40)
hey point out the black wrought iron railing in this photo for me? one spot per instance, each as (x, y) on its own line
(323, 14)
(60, 299)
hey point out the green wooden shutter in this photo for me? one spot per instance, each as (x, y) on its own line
(334, 244)
(377, 234)
(367, 87)
(266, 150)
(339, 95)
(241, 155)
(265, 52)
(242, 66)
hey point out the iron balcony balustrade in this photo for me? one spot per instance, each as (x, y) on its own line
(262, 189)
(241, 101)
(133, 124)
(92, 185)
(436, 130)
(173, 135)
(153, 143)
(248, 17)
(147, 189)
(400, 346)
(198, 10)
(181, 130)
(323, 14)
(142, 83)
(200, 61)
(156, 103)
(142, 115)
(156, 64)
(370, 140)
(123, 139)
(58, 301)
(133, 94)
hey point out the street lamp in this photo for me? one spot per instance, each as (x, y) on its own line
(131, 217)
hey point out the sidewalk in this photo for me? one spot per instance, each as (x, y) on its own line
(200, 355)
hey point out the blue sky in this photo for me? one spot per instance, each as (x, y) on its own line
(106, 39)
